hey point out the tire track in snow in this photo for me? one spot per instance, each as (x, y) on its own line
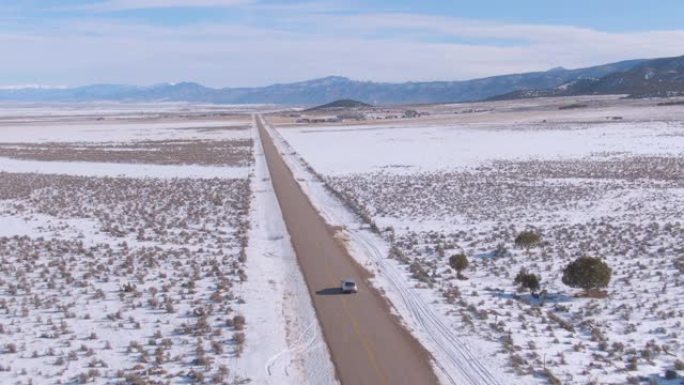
(298, 346)
(452, 357)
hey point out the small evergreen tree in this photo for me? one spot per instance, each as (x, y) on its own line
(528, 281)
(458, 262)
(588, 273)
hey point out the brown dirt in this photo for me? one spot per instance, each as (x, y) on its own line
(165, 152)
(367, 343)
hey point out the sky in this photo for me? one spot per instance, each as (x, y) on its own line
(236, 43)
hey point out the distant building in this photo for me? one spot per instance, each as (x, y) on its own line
(319, 119)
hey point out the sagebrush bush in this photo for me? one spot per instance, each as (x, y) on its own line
(527, 239)
(527, 280)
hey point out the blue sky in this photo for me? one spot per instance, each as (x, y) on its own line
(257, 42)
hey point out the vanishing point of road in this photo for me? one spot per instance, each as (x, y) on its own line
(367, 343)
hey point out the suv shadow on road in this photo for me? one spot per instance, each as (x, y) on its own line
(330, 291)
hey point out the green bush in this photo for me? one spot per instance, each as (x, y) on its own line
(527, 239)
(458, 262)
(588, 273)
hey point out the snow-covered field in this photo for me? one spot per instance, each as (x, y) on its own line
(145, 252)
(93, 131)
(411, 148)
(34, 112)
(614, 190)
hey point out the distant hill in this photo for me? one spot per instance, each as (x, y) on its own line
(340, 104)
(325, 90)
(651, 78)
(659, 77)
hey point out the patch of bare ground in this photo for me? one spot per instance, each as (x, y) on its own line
(214, 128)
(235, 152)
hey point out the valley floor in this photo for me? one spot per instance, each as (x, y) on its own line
(137, 250)
(142, 242)
(423, 190)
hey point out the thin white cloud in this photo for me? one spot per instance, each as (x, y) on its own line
(31, 86)
(121, 5)
(547, 45)
(304, 47)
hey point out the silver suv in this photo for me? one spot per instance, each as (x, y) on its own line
(348, 286)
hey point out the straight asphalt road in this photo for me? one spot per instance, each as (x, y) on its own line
(367, 343)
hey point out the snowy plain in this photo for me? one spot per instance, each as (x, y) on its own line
(609, 189)
(75, 111)
(339, 150)
(93, 131)
(116, 272)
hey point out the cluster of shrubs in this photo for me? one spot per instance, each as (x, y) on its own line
(167, 251)
(587, 273)
(508, 192)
